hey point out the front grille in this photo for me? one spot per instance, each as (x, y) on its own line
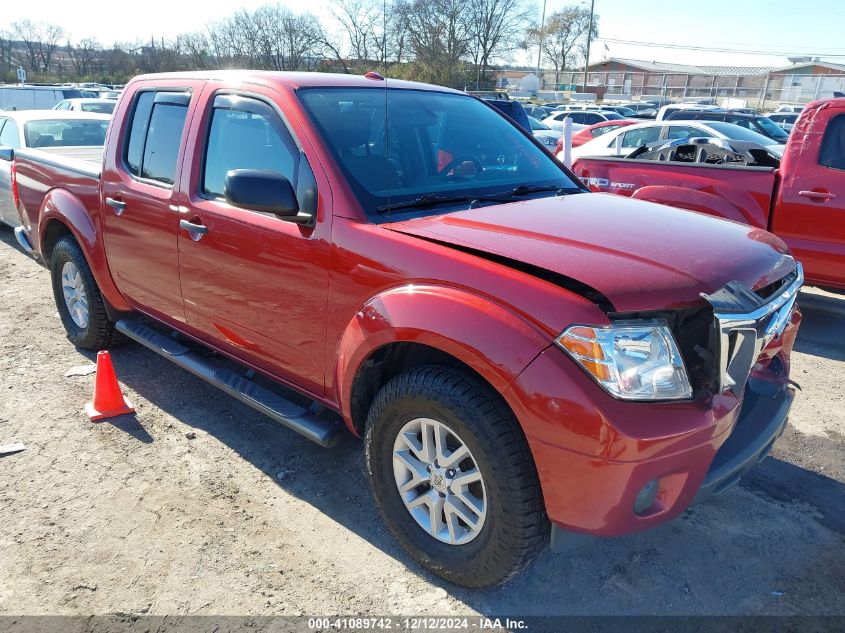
(745, 322)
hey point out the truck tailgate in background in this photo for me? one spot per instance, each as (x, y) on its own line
(737, 193)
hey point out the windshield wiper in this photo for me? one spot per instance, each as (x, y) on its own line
(524, 190)
(430, 200)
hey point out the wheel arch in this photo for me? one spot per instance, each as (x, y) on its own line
(415, 325)
(62, 213)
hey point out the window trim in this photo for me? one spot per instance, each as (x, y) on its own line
(130, 120)
(198, 187)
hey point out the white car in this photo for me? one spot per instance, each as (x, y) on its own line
(90, 104)
(625, 140)
(792, 109)
(668, 109)
(43, 129)
(543, 133)
(580, 118)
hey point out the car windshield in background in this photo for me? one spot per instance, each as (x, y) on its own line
(537, 125)
(613, 116)
(64, 133)
(99, 108)
(738, 133)
(399, 146)
(770, 128)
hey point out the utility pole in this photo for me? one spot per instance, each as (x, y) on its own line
(540, 45)
(589, 37)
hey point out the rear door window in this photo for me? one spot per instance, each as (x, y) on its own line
(832, 152)
(155, 135)
(638, 138)
(677, 132)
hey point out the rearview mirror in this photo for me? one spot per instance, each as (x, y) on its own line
(261, 190)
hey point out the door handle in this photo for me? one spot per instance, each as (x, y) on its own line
(196, 231)
(820, 195)
(118, 206)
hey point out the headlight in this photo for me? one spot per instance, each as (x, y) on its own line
(550, 140)
(632, 361)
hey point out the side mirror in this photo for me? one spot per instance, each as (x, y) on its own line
(7, 154)
(261, 190)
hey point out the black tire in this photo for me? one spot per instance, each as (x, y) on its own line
(100, 333)
(515, 528)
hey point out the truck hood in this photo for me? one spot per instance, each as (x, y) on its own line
(625, 255)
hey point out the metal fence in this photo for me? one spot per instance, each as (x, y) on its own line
(759, 90)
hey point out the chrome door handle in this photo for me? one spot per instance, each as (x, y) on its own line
(196, 230)
(118, 206)
(821, 195)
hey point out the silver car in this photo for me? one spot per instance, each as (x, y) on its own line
(43, 129)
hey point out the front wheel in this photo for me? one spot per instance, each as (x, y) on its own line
(453, 476)
(78, 299)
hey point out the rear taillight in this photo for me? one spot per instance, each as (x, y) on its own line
(13, 174)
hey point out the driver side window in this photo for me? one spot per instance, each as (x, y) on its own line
(637, 138)
(246, 134)
(832, 152)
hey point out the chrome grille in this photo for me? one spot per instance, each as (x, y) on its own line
(746, 323)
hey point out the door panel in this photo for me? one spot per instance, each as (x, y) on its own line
(253, 284)
(140, 214)
(811, 213)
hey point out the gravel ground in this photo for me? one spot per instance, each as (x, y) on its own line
(133, 516)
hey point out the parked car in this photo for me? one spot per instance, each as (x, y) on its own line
(523, 357)
(666, 110)
(580, 118)
(14, 98)
(599, 129)
(538, 112)
(100, 106)
(802, 200)
(756, 123)
(543, 133)
(786, 120)
(621, 110)
(634, 136)
(43, 128)
(792, 109)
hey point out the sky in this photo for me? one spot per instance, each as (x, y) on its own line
(775, 27)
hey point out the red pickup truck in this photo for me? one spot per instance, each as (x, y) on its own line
(802, 200)
(523, 357)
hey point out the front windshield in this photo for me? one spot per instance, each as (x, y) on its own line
(613, 116)
(64, 133)
(397, 145)
(738, 133)
(770, 128)
(625, 111)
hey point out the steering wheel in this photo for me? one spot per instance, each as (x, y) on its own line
(452, 165)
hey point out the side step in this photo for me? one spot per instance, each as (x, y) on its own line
(274, 406)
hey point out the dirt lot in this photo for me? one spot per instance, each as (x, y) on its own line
(249, 518)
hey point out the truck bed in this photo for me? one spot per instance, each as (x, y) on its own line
(84, 160)
(736, 192)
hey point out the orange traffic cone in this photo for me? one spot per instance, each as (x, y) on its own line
(108, 402)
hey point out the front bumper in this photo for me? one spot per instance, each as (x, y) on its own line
(596, 455)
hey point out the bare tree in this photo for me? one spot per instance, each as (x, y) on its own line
(563, 32)
(197, 49)
(439, 36)
(41, 40)
(358, 18)
(82, 55)
(286, 41)
(496, 27)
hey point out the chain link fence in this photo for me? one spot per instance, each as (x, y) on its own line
(764, 90)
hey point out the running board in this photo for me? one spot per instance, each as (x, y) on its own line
(274, 406)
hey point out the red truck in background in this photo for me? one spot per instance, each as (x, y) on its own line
(523, 357)
(802, 201)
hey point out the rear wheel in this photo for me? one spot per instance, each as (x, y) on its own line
(78, 299)
(453, 476)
